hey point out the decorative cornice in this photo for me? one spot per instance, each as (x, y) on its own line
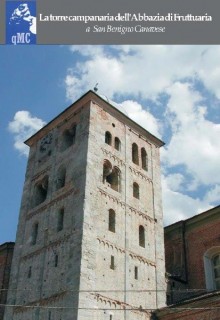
(46, 247)
(123, 205)
(141, 214)
(111, 197)
(112, 302)
(133, 255)
(111, 245)
(113, 157)
(140, 174)
(142, 259)
(41, 302)
(50, 203)
(37, 175)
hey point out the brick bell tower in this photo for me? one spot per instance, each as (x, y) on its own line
(90, 235)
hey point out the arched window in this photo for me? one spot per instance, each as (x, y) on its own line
(108, 138)
(111, 175)
(141, 236)
(40, 191)
(111, 220)
(107, 169)
(34, 233)
(144, 159)
(212, 268)
(114, 179)
(136, 190)
(61, 177)
(68, 138)
(135, 158)
(60, 220)
(117, 144)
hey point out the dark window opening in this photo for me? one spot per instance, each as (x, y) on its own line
(40, 191)
(136, 273)
(135, 158)
(117, 144)
(29, 272)
(112, 176)
(111, 317)
(114, 179)
(34, 233)
(61, 178)
(141, 236)
(68, 138)
(56, 260)
(49, 315)
(136, 190)
(108, 138)
(111, 221)
(60, 220)
(144, 159)
(107, 169)
(112, 265)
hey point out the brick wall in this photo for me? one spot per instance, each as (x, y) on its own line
(206, 307)
(6, 252)
(186, 243)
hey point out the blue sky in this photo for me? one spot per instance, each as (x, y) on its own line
(172, 91)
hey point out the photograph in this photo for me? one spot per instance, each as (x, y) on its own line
(110, 175)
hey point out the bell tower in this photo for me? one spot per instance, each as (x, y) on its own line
(90, 234)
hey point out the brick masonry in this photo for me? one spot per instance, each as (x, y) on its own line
(190, 246)
(6, 253)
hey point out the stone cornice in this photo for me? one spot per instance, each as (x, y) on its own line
(140, 174)
(113, 302)
(44, 207)
(113, 157)
(133, 255)
(48, 246)
(41, 173)
(41, 302)
(141, 214)
(123, 205)
(111, 197)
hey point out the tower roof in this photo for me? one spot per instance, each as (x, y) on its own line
(93, 96)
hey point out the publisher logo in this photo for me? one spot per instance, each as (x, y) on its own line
(21, 22)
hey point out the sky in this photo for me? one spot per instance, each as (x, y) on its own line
(172, 91)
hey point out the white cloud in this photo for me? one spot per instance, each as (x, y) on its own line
(194, 143)
(142, 70)
(174, 181)
(148, 73)
(179, 206)
(22, 127)
(142, 117)
(213, 195)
